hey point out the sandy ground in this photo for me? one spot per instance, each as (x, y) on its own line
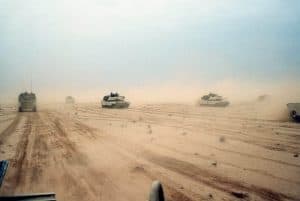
(84, 152)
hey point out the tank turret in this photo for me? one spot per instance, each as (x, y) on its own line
(114, 100)
(214, 100)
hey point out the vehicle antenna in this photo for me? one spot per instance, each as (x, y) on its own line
(31, 82)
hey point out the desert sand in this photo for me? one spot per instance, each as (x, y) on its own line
(84, 152)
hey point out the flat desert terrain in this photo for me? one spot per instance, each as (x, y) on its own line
(84, 152)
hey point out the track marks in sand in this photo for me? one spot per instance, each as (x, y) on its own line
(172, 193)
(220, 184)
(75, 177)
(241, 129)
(46, 159)
(31, 157)
(10, 129)
(16, 174)
(64, 142)
(216, 181)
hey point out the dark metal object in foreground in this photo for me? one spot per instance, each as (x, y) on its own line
(156, 192)
(3, 168)
(294, 110)
(30, 197)
(25, 197)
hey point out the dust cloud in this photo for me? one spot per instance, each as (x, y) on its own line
(237, 92)
(234, 91)
(183, 91)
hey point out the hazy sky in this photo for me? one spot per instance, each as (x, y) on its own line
(84, 44)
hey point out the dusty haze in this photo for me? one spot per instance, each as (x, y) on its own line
(163, 55)
(183, 91)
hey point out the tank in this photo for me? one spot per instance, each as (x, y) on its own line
(70, 100)
(263, 98)
(294, 110)
(214, 100)
(114, 100)
(27, 102)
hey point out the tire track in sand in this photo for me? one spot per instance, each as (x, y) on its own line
(44, 148)
(75, 177)
(172, 193)
(10, 129)
(15, 175)
(227, 185)
(216, 181)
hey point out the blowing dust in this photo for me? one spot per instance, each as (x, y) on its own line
(184, 91)
(238, 93)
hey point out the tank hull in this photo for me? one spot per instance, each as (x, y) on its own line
(214, 103)
(27, 107)
(110, 104)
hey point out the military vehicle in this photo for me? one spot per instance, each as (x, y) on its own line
(263, 98)
(114, 100)
(156, 191)
(213, 100)
(70, 100)
(27, 102)
(294, 109)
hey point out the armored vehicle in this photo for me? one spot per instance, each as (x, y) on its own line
(70, 100)
(263, 98)
(27, 102)
(294, 109)
(114, 100)
(213, 100)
